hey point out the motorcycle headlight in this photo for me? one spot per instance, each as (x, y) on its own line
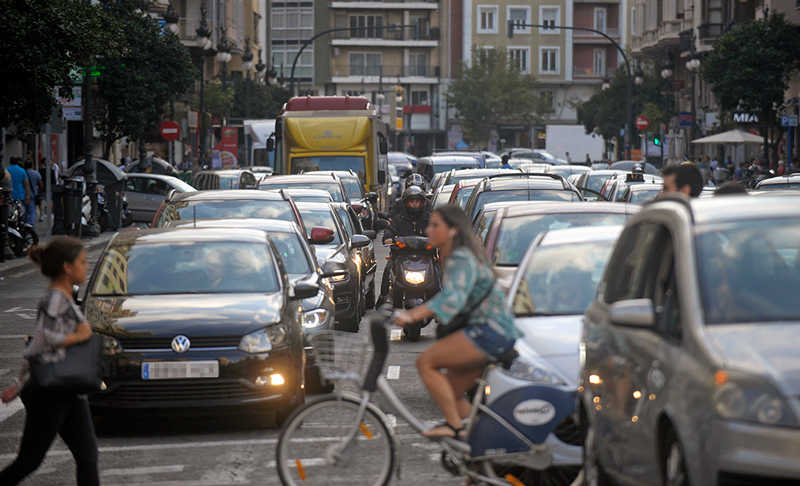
(111, 346)
(262, 341)
(750, 400)
(315, 318)
(414, 278)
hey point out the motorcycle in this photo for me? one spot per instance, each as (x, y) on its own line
(415, 277)
(21, 235)
(104, 214)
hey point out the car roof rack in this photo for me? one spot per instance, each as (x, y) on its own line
(679, 198)
(529, 174)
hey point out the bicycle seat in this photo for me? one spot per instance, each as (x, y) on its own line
(507, 358)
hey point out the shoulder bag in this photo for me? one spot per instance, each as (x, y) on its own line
(459, 321)
(78, 372)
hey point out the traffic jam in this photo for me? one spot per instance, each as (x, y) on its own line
(653, 316)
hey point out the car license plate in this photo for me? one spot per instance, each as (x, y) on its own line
(174, 370)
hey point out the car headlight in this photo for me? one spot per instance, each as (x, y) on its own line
(414, 278)
(315, 318)
(750, 400)
(529, 367)
(111, 345)
(262, 341)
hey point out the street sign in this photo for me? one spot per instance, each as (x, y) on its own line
(642, 122)
(685, 119)
(170, 130)
(788, 120)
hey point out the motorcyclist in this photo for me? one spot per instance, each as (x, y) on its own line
(407, 219)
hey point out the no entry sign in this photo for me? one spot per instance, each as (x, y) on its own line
(170, 130)
(642, 122)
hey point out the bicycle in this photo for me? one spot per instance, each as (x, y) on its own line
(344, 437)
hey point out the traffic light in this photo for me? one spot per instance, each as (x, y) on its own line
(398, 107)
(656, 140)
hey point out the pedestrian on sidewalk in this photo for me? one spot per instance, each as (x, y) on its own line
(59, 325)
(37, 188)
(21, 186)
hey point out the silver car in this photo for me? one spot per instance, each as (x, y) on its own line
(690, 373)
(553, 286)
(146, 192)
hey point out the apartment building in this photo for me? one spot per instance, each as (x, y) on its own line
(392, 52)
(569, 65)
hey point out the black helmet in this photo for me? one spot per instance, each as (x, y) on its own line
(414, 193)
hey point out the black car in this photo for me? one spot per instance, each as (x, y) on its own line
(367, 265)
(340, 253)
(520, 187)
(197, 318)
(180, 208)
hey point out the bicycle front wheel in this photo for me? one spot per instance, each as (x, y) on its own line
(311, 448)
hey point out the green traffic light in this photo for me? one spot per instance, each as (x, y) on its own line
(656, 141)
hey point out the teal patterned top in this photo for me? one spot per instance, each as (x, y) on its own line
(464, 282)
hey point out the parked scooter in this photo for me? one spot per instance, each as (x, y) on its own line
(103, 212)
(415, 277)
(21, 235)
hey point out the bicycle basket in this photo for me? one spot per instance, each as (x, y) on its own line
(341, 356)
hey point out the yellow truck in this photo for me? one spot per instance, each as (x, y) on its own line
(333, 133)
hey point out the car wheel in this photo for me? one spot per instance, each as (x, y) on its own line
(674, 462)
(593, 474)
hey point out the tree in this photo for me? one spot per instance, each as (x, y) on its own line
(43, 42)
(150, 69)
(750, 68)
(252, 99)
(492, 91)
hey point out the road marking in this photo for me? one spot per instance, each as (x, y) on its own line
(8, 410)
(393, 372)
(13, 336)
(309, 462)
(133, 471)
(396, 334)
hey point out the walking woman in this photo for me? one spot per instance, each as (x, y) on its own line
(468, 287)
(59, 325)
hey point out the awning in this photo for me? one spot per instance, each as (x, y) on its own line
(732, 137)
(260, 130)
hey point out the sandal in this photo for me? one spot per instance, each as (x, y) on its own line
(457, 432)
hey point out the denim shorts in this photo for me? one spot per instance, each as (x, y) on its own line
(489, 341)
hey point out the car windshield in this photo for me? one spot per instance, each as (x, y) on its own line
(229, 181)
(291, 251)
(439, 168)
(193, 267)
(641, 197)
(348, 225)
(463, 196)
(595, 181)
(334, 189)
(329, 162)
(181, 211)
(321, 219)
(442, 198)
(749, 271)
(484, 224)
(779, 187)
(352, 187)
(561, 280)
(516, 233)
(487, 197)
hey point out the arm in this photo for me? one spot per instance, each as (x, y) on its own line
(82, 333)
(28, 191)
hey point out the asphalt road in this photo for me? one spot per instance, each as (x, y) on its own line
(218, 449)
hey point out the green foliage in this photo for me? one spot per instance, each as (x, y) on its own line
(252, 99)
(43, 40)
(218, 100)
(605, 112)
(151, 69)
(490, 92)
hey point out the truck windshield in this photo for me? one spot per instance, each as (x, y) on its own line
(330, 162)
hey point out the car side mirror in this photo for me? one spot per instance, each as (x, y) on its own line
(305, 291)
(372, 197)
(381, 177)
(321, 236)
(371, 234)
(76, 295)
(359, 241)
(633, 313)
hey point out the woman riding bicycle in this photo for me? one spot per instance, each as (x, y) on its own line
(468, 285)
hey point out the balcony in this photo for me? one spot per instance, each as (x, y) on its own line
(375, 74)
(583, 37)
(387, 36)
(386, 5)
(587, 73)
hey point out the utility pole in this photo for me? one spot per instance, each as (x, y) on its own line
(89, 164)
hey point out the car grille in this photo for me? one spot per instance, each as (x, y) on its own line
(166, 342)
(736, 479)
(179, 390)
(569, 432)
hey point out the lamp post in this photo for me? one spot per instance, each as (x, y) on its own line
(204, 39)
(666, 73)
(224, 53)
(693, 65)
(171, 18)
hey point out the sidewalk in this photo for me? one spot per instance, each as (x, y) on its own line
(43, 230)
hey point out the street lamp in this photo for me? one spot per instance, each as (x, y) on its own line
(260, 67)
(171, 18)
(639, 77)
(666, 73)
(204, 40)
(247, 57)
(606, 84)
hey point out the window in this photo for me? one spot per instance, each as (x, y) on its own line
(365, 64)
(419, 98)
(366, 26)
(599, 59)
(520, 57)
(418, 64)
(548, 60)
(634, 25)
(635, 262)
(422, 26)
(284, 56)
(549, 16)
(520, 16)
(487, 19)
(600, 16)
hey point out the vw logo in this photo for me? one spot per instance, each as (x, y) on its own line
(181, 344)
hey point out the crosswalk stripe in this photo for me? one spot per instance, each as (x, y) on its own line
(134, 471)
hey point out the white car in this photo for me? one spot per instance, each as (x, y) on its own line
(553, 286)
